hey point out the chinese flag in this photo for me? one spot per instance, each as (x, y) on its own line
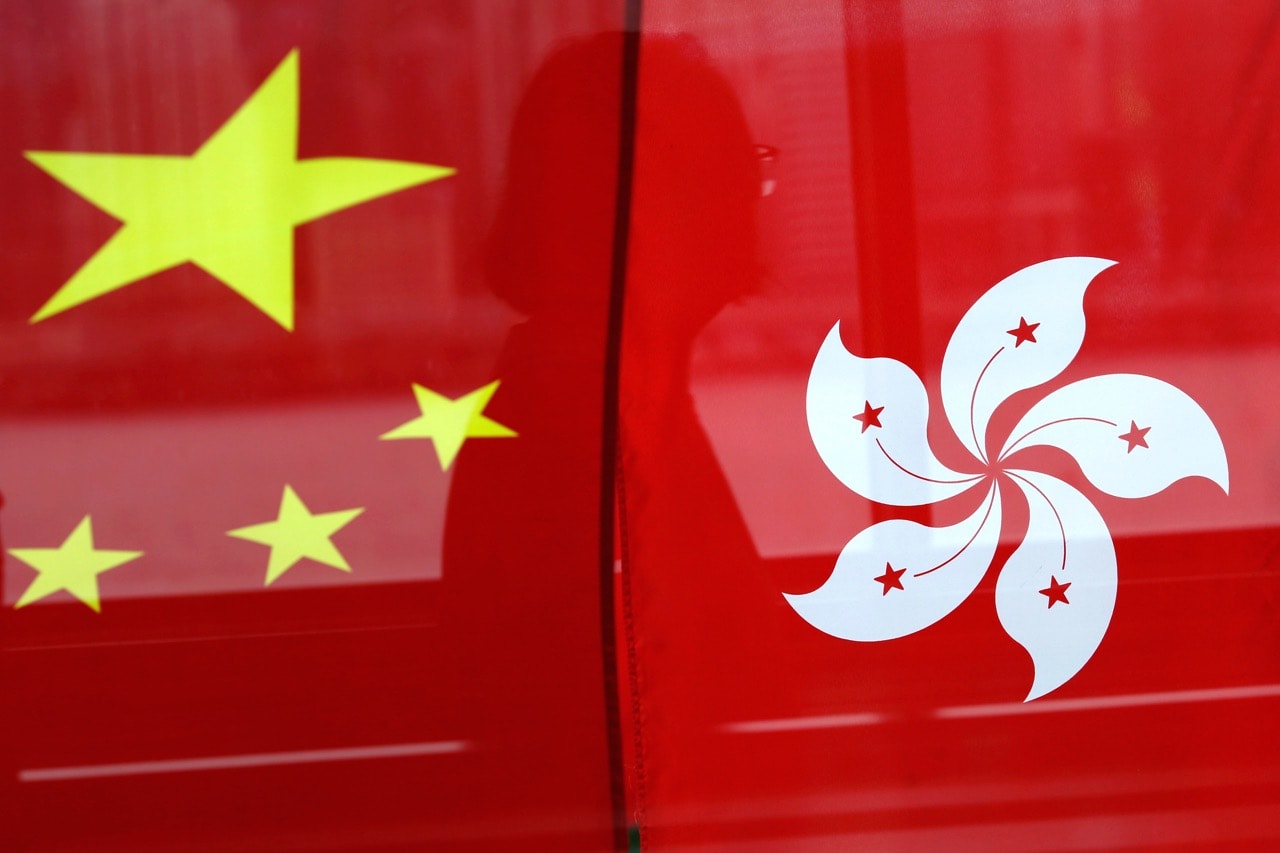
(947, 477)
(302, 369)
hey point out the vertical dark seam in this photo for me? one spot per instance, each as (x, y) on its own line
(609, 429)
(633, 666)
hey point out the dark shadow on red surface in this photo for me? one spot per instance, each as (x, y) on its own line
(523, 540)
(694, 250)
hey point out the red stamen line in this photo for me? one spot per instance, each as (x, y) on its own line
(1061, 530)
(973, 399)
(972, 479)
(991, 502)
(1025, 436)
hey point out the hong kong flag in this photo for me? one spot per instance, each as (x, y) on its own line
(302, 371)
(947, 505)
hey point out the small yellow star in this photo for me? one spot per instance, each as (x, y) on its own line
(449, 423)
(73, 566)
(230, 208)
(298, 533)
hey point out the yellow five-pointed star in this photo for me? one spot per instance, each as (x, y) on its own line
(73, 566)
(230, 208)
(297, 533)
(449, 423)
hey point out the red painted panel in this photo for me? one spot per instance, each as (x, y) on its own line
(880, 164)
(924, 152)
(446, 692)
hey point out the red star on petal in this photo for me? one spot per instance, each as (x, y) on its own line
(1025, 333)
(1056, 591)
(870, 417)
(1136, 437)
(892, 578)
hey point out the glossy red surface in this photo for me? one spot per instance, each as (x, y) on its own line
(446, 693)
(924, 152)
(881, 164)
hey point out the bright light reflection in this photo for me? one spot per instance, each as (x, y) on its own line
(1092, 703)
(229, 762)
(1004, 709)
(791, 724)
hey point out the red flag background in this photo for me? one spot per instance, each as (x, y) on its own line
(913, 155)
(879, 163)
(447, 691)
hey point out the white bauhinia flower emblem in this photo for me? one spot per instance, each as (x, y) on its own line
(1131, 435)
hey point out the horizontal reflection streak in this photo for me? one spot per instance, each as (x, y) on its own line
(230, 762)
(1005, 709)
(791, 724)
(1092, 703)
(220, 638)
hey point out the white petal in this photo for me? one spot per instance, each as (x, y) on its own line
(985, 364)
(1090, 419)
(890, 463)
(1067, 542)
(939, 567)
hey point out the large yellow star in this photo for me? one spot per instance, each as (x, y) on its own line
(230, 208)
(298, 533)
(449, 423)
(73, 566)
